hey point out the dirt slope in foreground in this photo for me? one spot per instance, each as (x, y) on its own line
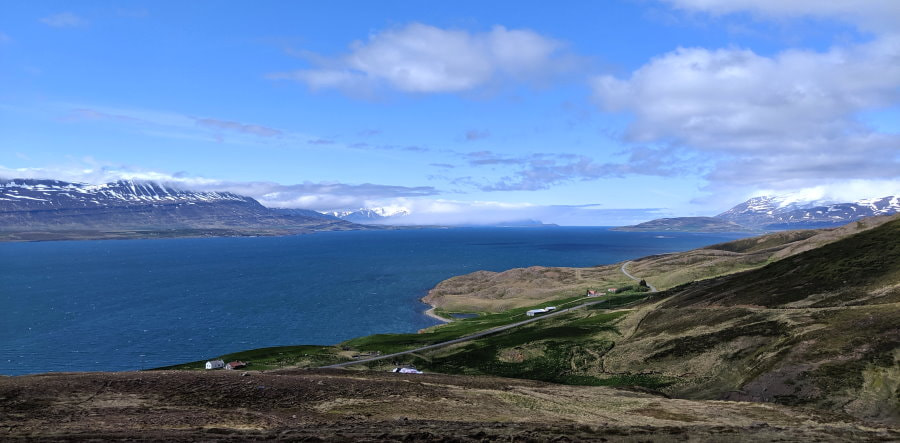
(360, 406)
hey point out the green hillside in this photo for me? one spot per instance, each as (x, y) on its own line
(803, 318)
(820, 329)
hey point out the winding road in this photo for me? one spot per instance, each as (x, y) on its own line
(625, 271)
(482, 333)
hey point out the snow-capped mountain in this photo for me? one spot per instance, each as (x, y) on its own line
(369, 215)
(759, 211)
(26, 194)
(52, 205)
(785, 213)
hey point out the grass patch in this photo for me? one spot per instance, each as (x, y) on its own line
(618, 301)
(854, 266)
(273, 358)
(570, 345)
(390, 343)
(698, 344)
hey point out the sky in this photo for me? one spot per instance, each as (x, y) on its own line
(575, 112)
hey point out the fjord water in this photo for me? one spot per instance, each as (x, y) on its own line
(131, 304)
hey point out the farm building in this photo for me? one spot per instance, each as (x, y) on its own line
(235, 365)
(215, 364)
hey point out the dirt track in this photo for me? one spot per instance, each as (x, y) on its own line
(358, 406)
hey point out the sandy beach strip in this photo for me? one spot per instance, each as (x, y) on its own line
(430, 313)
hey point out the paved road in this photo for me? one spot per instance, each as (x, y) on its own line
(624, 271)
(483, 333)
(466, 338)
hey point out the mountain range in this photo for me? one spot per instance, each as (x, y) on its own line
(773, 213)
(32, 209)
(368, 215)
(52, 209)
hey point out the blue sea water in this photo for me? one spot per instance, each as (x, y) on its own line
(130, 304)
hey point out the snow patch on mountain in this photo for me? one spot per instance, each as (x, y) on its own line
(54, 194)
(370, 215)
(784, 212)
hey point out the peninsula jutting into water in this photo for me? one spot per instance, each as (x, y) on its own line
(125, 305)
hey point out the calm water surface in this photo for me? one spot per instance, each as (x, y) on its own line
(131, 304)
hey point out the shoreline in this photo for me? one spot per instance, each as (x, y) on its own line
(430, 312)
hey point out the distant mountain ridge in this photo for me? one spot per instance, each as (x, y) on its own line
(52, 209)
(25, 194)
(368, 215)
(686, 224)
(778, 213)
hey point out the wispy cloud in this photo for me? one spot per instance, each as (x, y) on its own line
(540, 171)
(4, 38)
(64, 20)
(419, 58)
(262, 131)
(476, 134)
(175, 125)
(873, 15)
(93, 114)
(482, 158)
(386, 147)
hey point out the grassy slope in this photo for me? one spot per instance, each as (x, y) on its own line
(485, 291)
(275, 357)
(314, 356)
(821, 329)
(670, 270)
(817, 328)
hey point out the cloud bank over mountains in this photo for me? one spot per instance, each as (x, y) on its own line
(420, 201)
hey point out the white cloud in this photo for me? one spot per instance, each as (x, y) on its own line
(64, 20)
(452, 212)
(845, 191)
(873, 15)
(789, 120)
(425, 59)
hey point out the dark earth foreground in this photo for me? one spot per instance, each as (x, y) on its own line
(341, 405)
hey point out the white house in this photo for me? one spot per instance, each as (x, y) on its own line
(215, 364)
(533, 312)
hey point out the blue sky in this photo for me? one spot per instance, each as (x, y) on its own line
(586, 113)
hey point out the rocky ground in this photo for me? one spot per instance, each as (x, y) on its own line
(375, 406)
